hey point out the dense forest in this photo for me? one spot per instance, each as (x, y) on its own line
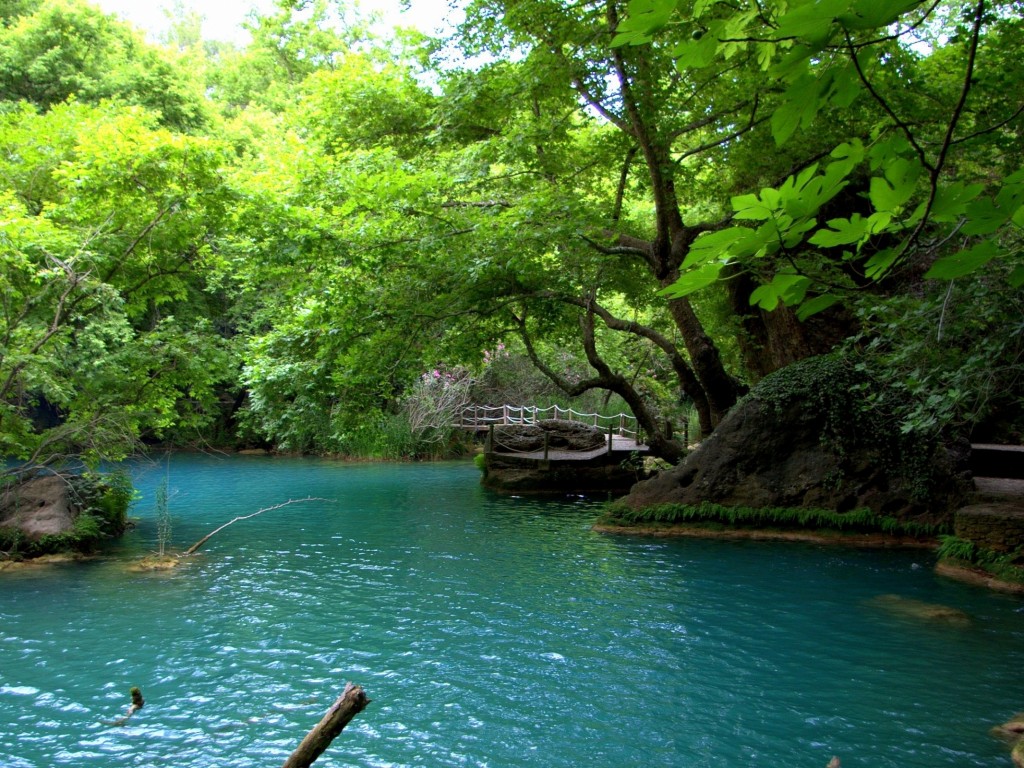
(328, 239)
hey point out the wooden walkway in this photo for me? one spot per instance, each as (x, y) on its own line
(623, 445)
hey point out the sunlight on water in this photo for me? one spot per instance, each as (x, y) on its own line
(488, 631)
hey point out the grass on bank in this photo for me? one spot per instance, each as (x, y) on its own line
(718, 516)
(1005, 566)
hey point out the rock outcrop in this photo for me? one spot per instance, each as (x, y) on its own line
(62, 513)
(807, 436)
(561, 436)
(38, 507)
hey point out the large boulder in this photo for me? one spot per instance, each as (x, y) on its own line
(56, 513)
(38, 507)
(561, 436)
(814, 435)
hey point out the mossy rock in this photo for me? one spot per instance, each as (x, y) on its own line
(817, 435)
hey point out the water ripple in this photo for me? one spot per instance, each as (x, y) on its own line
(488, 632)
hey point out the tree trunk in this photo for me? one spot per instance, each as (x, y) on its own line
(721, 389)
(773, 340)
(349, 704)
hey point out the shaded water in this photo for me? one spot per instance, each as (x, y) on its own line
(488, 631)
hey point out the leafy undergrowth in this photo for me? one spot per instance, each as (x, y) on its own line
(963, 553)
(712, 515)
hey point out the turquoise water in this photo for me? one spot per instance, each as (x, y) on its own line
(488, 631)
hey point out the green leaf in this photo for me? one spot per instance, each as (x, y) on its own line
(849, 153)
(897, 186)
(643, 19)
(846, 87)
(842, 232)
(880, 263)
(787, 288)
(985, 217)
(754, 208)
(964, 262)
(871, 14)
(713, 245)
(811, 20)
(697, 54)
(951, 201)
(799, 107)
(693, 280)
(1016, 278)
(816, 305)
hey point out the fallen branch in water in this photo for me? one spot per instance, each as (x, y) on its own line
(136, 705)
(207, 537)
(349, 704)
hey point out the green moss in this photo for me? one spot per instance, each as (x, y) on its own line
(855, 521)
(859, 415)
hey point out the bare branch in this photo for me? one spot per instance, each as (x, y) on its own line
(191, 550)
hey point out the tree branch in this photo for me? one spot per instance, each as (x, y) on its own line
(191, 550)
(620, 192)
(900, 123)
(349, 704)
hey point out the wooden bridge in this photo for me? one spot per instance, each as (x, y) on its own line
(622, 431)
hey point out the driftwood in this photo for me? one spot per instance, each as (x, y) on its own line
(348, 705)
(207, 537)
(135, 706)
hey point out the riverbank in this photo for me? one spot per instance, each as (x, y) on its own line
(978, 577)
(832, 538)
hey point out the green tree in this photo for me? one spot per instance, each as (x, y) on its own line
(63, 49)
(109, 241)
(932, 184)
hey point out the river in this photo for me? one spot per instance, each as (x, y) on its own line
(488, 631)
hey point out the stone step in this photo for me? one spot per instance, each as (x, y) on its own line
(988, 460)
(995, 526)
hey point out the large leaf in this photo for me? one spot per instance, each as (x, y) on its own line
(786, 288)
(964, 262)
(816, 305)
(1016, 278)
(714, 245)
(811, 20)
(842, 232)
(897, 186)
(643, 19)
(694, 280)
(872, 14)
(799, 107)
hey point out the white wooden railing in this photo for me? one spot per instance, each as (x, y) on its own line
(480, 417)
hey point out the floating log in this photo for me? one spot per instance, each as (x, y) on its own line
(349, 704)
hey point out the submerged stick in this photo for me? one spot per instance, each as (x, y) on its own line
(348, 705)
(137, 704)
(207, 537)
